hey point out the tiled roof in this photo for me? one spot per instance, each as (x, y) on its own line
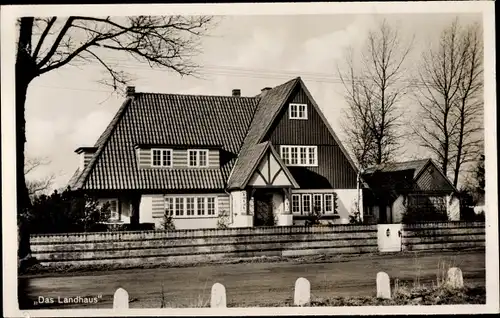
(394, 175)
(415, 165)
(169, 119)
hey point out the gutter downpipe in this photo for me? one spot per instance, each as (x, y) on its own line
(358, 181)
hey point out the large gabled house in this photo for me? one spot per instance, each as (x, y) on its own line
(269, 159)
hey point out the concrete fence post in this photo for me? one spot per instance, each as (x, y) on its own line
(218, 297)
(455, 278)
(383, 286)
(120, 299)
(302, 295)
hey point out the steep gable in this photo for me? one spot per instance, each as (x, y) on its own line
(268, 119)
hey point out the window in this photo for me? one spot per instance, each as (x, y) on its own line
(295, 203)
(328, 203)
(318, 202)
(197, 158)
(161, 157)
(299, 155)
(306, 203)
(179, 206)
(169, 206)
(298, 111)
(191, 206)
(285, 155)
(200, 206)
(210, 206)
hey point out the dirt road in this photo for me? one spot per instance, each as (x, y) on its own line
(249, 284)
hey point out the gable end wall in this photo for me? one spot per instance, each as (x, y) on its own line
(334, 170)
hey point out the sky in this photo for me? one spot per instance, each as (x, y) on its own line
(67, 108)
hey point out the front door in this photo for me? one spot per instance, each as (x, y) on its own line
(263, 214)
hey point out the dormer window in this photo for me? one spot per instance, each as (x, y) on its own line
(298, 111)
(198, 158)
(161, 157)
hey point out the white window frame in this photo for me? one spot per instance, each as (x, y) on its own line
(300, 204)
(294, 111)
(197, 164)
(302, 211)
(163, 153)
(321, 204)
(298, 149)
(183, 214)
(332, 204)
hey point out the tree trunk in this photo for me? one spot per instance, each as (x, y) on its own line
(25, 71)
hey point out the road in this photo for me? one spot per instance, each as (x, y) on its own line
(250, 284)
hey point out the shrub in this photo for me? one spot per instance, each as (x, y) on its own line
(313, 218)
(223, 220)
(355, 215)
(64, 211)
(168, 222)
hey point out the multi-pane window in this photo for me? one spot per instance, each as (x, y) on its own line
(169, 206)
(197, 158)
(161, 157)
(298, 111)
(296, 203)
(306, 203)
(179, 206)
(210, 206)
(328, 203)
(190, 206)
(299, 155)
(318, 202)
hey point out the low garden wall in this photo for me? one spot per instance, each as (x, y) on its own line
(443, 235)
(201, 245)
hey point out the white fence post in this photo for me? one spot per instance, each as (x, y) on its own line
(455, 278)
(302, 295)
(120, 299)
(218, 297)
(383, 286)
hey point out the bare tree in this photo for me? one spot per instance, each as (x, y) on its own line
(373, 92)
(449, 98)
(46, 44)
(37, 185)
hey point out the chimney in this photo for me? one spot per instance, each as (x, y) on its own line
(130, 91)
(236, 92)
(86, 154)
(264, 90)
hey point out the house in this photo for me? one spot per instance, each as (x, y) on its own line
(396, 187)
(263, 160)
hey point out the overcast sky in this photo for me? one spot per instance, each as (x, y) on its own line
(67, 108)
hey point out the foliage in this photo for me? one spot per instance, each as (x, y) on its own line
(355, 215)
(168, 222)
(65, 211)
(223, 220)
(314, 217)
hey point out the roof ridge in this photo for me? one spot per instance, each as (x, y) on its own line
(196, 95)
